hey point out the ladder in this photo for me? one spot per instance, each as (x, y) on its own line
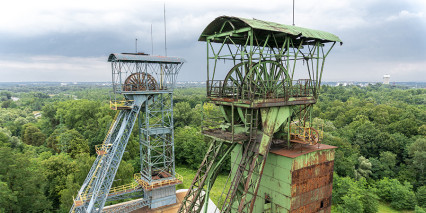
(94, 191)
(198, 192)
(243, 189)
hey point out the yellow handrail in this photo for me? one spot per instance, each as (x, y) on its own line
(304, 133)
(115, 104)
(158, 183)
(132, 186)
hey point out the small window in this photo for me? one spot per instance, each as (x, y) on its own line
(267, 198)
(322, 204)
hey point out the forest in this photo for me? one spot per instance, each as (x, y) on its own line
(48, 134)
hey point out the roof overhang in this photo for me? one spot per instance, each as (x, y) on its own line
(143, 58)
(236, 24)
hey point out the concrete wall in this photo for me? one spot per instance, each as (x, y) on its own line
(162, 196)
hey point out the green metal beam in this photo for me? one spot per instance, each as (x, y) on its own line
(229, 33)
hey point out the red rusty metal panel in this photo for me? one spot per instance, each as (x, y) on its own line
(293, 153)
(312, 187)
(323, 205)
(306, 179)
(314, 171)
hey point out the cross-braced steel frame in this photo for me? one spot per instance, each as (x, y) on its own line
(165, 75)
(253, 56)
(258, 97)
(147, 83)
(156, 139)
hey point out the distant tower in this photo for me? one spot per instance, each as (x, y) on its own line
(386, 79)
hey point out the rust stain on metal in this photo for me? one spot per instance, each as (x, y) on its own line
(311, 175)
(311, 187)
(291, 153)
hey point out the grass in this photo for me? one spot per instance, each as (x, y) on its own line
(386, 208)
(189, 174)
(383, 208)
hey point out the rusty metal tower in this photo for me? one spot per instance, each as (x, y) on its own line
(261, 102)
(147, 84)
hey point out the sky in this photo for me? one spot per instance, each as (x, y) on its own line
(69, 41)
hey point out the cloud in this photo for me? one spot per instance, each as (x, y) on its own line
(375, 32)
(404, 14)
(373, 71)
(54, 68)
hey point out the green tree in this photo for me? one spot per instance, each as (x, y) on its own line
(189, 146)
(417, 159)
(4, 139)
(421, 196)
(182, 114)
(364, 168)
(346, 155)
(56, 169)
(354, 196)
(403, 196)
(90, 118)
(25, 182)
(32, 135)
(53, 139)
(72, 142)
(419, 209)
(83, 163)
(351, 204)
(400, 196)
(388, 163)
(7, 197)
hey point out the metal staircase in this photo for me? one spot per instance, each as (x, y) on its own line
(244, 183)
(96, 187)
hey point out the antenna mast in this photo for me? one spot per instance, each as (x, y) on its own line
(165, 32)
(152, 43)
(293, 12)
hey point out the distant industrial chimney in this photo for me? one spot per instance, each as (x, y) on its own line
(386, 79)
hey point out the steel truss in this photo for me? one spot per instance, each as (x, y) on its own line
(95, 188)
(258, 97)
(199, 191)
(164, 73)
(254, 52)
(156, 140)
(147, 83)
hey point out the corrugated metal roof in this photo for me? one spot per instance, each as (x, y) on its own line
(129, 57)
(214, 27)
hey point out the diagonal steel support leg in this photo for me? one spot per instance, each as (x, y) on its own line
(243, 191)
(198, 193)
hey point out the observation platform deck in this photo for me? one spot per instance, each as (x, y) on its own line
(225, 136)
(158, 183)
(266, 94)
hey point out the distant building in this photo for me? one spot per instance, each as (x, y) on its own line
(37, 114)
(386, 79)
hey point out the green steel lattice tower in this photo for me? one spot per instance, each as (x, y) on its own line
(251, 70)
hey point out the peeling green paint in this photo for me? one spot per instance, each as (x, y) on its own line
(277, 180)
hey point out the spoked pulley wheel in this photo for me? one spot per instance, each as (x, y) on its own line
(266, 79)
(233, 82)
(140, 82)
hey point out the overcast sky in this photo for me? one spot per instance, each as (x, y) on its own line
(63, 40)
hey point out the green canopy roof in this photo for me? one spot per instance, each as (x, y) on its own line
(239, 23)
